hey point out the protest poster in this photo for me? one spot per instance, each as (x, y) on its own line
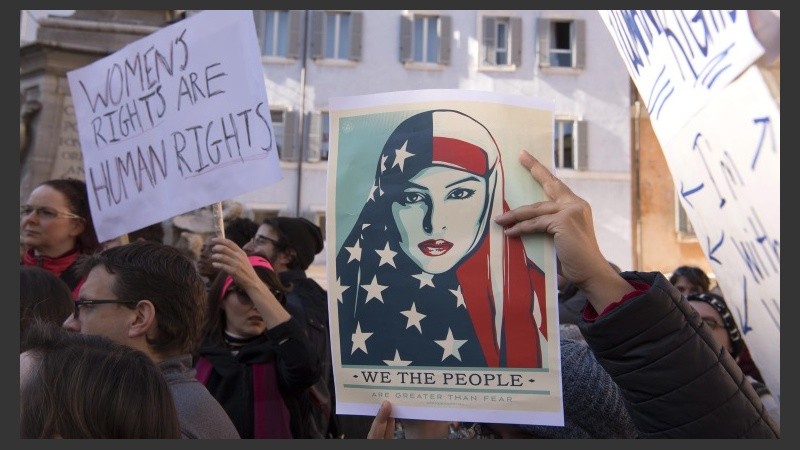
(719, 127)
(728, 178)
(174, 121)
(431, 306)
(679, 59)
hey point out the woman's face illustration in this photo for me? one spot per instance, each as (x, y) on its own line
(439, 216)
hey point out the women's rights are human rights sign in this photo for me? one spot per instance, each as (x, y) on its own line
(174, 121)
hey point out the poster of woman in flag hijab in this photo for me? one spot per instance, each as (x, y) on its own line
(431, 305)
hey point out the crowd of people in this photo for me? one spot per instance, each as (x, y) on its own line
(138, 340)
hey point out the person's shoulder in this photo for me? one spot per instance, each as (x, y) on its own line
(308, 287)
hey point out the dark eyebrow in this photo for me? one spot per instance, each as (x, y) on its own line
(469, 178)
(415, 185)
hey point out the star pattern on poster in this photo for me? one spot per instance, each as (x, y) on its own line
(414, 317)
(387, 256)
(355, 252)
(450, 345)
(459, 297)
(396, 361)
(400, 156)
(383, 163)
(338, 290)
(374, 290)
(360, 340)
(425, 279)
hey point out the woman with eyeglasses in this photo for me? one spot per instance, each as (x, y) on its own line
(255, 358)
(56, 227)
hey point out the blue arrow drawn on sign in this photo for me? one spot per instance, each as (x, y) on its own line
(713, 249)
(685, 194)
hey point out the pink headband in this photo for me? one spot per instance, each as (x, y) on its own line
(255, 261)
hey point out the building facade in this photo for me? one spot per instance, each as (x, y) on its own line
(311, 56)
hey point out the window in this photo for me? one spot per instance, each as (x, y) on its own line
(336, 35)
(502, 42)
(284, 124)
(682, 223)
(318, 217)
(425, 39)
(569, 144)
(318, 137)
(561, 43)
(278, 33)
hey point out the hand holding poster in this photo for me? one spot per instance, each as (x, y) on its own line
(431, 305)
(174, 122)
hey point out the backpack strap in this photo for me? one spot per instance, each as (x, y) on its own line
(203, 370)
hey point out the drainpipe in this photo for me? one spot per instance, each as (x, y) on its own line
(302, 114)
(637, 203)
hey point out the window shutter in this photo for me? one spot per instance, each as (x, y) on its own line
(582, 144)
(543, 30)
(516, 41)
(684, 225)
(580, 43)
(314, 136)
(289, 152)
(406, 43)
(445, 39)
(489, 44)
(260, 18)
(356, 26)
(294, 48)
(317, 34)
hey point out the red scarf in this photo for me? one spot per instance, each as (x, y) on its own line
(519, 332)
(56, 265)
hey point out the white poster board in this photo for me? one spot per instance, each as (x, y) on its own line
(728, 179)
(175, 121)
(719, 128)
(679, 59)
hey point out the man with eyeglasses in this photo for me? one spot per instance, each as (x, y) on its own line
(149, 296)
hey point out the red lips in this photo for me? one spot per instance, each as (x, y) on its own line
(437, 247)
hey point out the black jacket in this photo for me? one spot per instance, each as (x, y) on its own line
(677, 382)
(231, 380)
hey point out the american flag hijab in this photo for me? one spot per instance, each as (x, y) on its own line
(402, 299)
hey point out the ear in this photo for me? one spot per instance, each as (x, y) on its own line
(144, 324)
(78, 225)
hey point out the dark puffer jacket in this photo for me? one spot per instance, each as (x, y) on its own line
(677, 382)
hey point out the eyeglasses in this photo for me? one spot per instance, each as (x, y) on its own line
(261, 240)
(713, 324)
(79, 303)
(45, 213)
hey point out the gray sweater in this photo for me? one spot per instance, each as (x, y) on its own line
(200, 415)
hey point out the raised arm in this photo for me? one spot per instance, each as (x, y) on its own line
(231, 259)
(569, 219)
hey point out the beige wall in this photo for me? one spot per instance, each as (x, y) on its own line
(661, 248)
